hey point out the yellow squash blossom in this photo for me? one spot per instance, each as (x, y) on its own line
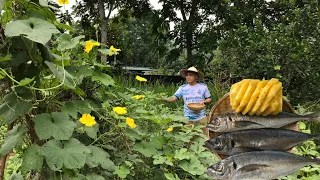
(138, 97)
(141, 79)
(87, 120)
(169, 129)
(63, 1)
(90, 45)
(130, 122)
(120, 110)
(113, 51)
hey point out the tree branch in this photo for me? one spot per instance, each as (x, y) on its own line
(182, 10)
(110, 9)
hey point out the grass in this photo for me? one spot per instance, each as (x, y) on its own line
(216, 88)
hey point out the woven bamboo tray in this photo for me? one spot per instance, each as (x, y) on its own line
(223, 106)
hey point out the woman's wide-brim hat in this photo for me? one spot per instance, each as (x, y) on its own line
(191, 69)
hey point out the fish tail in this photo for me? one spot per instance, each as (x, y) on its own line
(317, 161)
(314, 116)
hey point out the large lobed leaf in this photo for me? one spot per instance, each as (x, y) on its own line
(70, 154)
(99, 157)
(35, 29)
(32, 160)
(57, 125)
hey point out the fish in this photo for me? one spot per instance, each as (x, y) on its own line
(232, 143)
(232, 121)
(258, 165)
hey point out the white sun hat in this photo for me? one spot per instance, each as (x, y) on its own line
(191, 69)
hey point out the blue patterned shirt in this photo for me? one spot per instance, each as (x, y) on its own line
(196, 93)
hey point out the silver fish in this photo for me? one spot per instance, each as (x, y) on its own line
(256, 140)
(232, 121)
(258, 165)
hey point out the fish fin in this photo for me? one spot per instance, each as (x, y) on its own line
(253, 167)
(314, 116)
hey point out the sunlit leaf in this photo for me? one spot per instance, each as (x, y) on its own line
(121, 171)
(8, 57)
(26, 81)
(67, 42)
(35, 29)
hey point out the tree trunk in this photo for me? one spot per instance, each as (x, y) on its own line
(103, 26)
(189, 43)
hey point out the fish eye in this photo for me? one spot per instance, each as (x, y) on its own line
(219, 167)
(217, 142)
(217, 121)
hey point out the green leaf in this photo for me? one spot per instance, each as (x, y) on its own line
(57, 125)
(170, 176)
(2, 4)
(132, 134)
(32, 160)
(92, 131)
(99, 157)
(15, 176)
(71, 154)
(43, 3)
(64, 76)
(35, 29)
(276, 67)
(71, 109)
(146, 149)
(67, 42)
(302, 125)
(26, 81)
(14, 137)
(105, 79)
(122, 171)
(158, 141)
(10, 109)
(182, 154)
(158, 159)
(105, 51)
(94, 177)
(61, 25)
(8, 57)
(193, 166)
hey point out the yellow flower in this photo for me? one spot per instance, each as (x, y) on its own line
(90, 45)
(63, 1)
(113, 49)
(130, 122)
(87, 120)
(96, 43)
(169, 129)
(138, 97)
(120, 110)
(141, 79)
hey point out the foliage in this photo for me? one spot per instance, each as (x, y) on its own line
(288, 51)
(53, 82)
